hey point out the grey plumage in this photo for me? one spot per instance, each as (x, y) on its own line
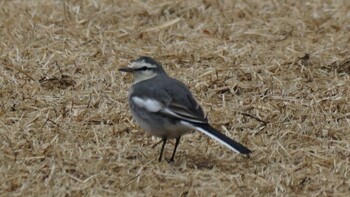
(164, 106)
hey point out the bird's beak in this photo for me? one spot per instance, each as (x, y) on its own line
(126, 69)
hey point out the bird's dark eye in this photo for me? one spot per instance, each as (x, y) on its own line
(143, 68)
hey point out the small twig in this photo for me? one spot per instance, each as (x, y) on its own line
(20, 71)
(59, 69)
(254, 117)
(164, 25)
(157, 144)
(87, 106)
(80, 180)
(49, 120)
(132, 180)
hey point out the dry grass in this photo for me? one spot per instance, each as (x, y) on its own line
(65, 129)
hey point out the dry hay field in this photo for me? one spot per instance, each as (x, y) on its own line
(274, 75)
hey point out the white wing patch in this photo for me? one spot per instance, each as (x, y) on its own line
(148, 104)
(153, 105)
(170, 112)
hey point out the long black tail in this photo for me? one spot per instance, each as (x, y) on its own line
(223, 139)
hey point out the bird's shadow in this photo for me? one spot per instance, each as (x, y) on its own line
(201, 162)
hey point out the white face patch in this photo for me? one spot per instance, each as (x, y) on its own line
(150, 105)
(142, 75)
(136, 65)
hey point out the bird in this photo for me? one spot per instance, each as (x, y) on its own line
(164, 107)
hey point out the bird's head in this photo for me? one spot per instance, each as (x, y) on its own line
(144, 68)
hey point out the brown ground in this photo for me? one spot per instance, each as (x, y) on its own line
(274, 76)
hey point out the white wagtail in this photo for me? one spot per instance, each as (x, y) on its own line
(164, 107)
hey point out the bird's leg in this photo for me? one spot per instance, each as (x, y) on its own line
(176, 144)
(161, 151)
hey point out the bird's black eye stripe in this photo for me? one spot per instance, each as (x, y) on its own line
(143, 68)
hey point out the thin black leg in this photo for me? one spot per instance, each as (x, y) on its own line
(176, 144)
(161, 151)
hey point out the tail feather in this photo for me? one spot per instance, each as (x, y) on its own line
(223, 139)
